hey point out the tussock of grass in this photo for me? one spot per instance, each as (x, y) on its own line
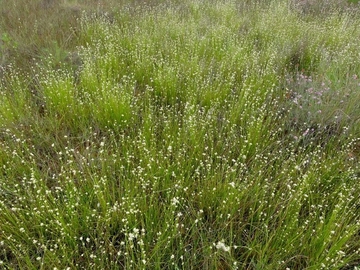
(179, 135)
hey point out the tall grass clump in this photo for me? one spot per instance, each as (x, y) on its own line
(181, 135)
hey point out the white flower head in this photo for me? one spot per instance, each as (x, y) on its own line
(221, 246)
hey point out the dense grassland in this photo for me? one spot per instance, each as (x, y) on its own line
(179, 135)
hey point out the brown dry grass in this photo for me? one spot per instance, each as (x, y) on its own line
(32, 30)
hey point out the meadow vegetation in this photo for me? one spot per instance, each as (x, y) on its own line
(185, 134)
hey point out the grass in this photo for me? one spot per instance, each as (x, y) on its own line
(179, 135)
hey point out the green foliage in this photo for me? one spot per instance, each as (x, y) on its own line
(180, 135)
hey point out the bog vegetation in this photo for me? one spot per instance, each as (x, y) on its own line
(185, 134)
